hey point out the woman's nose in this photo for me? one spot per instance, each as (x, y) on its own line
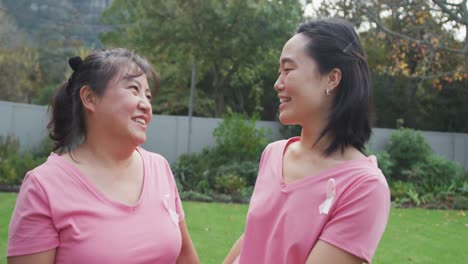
(145, 104)
(279, 85)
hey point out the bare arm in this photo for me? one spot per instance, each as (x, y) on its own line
(235, 251)
(188, 254)
(46, 257)
(324, 253)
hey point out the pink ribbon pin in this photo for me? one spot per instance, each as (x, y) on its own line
(331, 192)
(174, 216)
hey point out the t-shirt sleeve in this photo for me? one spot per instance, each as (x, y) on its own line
(359, 219)
(31, 228)
(178, 203)
(265, 156)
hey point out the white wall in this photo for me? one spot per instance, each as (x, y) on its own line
(168, 135)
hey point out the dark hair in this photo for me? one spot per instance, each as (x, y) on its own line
(67, 124)
(333, 43)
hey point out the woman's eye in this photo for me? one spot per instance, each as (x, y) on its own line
(149, 96)
(134, 89)
(284, 70)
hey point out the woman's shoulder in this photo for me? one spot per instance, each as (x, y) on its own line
(364, 173)
(152, 156)
(53, 165)
(370, 170)
(280, 144)
(53, 174)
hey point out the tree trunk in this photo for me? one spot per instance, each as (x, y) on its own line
(219, 86)
(220, 105)
(465, 48)
(411, 87)
(218, 95)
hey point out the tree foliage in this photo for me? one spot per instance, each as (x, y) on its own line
(228, 40)
(56, 28)
(20, 74)
(418, 35)
(414, 52)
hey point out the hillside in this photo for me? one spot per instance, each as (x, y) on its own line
(62, 21)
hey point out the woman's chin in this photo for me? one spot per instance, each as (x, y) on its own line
(138, 140)
(286, 120)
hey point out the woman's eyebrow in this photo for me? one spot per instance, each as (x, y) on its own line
(285, 60)
(132, 79)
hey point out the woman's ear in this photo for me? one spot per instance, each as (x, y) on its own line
(334, 79)
(88, 98)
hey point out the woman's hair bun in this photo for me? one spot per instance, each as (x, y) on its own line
(75, 62)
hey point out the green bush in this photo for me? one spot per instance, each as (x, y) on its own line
(238, 148)
(44, 148)
(222, 198)
(195, 172)
(14, 167)
(247, 170)
(230, 184)
(238, 138)
(187, 170)
(9, 145)
(460, 202)
(195, 196)
(246, 194)
(290, 131)
(431, 201)
(384, 161)
(420, 178)
(435, 175)
(8, 173)
(414, 196)
(399, 189)
(14, 163)
(406, 148)
(462, 186)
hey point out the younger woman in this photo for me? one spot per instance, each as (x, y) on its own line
(318, 199)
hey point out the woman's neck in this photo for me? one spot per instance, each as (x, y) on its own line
(312, 141)
(115, 155)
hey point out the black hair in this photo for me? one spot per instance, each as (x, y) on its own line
(333, 43)
(67, 123)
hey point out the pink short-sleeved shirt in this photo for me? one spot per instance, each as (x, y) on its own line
(58, 207)
(284, 221)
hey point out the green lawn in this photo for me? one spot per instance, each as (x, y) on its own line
(7, 202)
(412, 236)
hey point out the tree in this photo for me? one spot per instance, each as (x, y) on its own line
(20, 74)
(9, 32)
(410, 43)
(417, 31)
(227, 39)
(56, 28)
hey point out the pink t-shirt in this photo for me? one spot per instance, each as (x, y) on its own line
(58, 207)
(285, 221)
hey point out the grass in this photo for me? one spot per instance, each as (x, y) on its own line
(424, 236)
(214, 228)
(7, 202)
(412, 235)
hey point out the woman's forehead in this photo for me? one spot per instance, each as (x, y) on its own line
(295, 49)
(127, 73)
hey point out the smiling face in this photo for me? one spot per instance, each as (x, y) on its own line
(301, 88)
(124, 110)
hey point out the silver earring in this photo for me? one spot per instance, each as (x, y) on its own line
(328, 92)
